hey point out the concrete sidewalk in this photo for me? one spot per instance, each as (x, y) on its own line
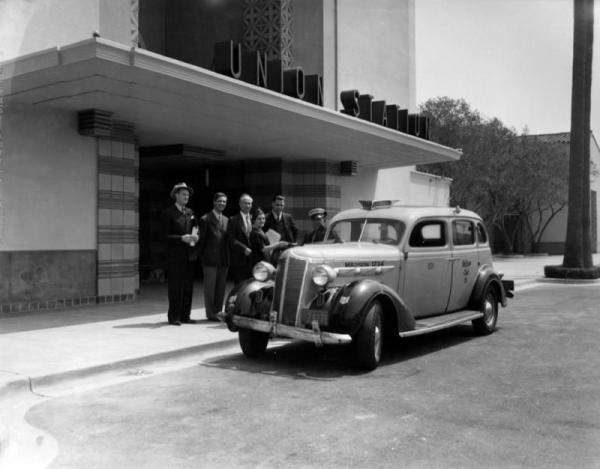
(49, 347)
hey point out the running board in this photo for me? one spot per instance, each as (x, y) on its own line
(436, 323)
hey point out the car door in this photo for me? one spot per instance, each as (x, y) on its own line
(428, 269)
(465, 262)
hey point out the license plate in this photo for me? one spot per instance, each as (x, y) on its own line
(308, 315)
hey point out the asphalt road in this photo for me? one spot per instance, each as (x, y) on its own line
(525, 396)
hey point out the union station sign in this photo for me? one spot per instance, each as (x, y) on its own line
(254, 68)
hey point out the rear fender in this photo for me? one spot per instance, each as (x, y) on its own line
(353, 300)
(485, 277)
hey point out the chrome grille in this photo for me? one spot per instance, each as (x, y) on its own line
(288, 287)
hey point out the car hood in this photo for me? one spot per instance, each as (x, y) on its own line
(345, 252)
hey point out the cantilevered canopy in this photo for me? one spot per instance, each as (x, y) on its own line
(172, 102)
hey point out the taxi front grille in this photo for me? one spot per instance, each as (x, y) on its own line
(288, 288)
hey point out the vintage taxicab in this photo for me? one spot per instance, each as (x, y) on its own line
(385, 270)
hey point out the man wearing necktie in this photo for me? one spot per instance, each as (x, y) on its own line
(179, 224)
(238, 236)
(214, 255)
(282, 223)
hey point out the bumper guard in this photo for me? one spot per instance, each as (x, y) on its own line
(281, 330)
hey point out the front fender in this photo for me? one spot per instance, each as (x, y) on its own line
(245, 299)
(486, 276)
(353, 300)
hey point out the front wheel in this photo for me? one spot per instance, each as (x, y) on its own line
(489, 307)
(253, 343)
(368, 340)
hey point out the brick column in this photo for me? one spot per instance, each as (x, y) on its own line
(118, 211)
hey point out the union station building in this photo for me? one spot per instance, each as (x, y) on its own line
(104, 105)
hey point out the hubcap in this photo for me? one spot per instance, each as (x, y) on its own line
(377, 343)
(488, 311)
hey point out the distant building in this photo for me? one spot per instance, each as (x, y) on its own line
(553, 241)
(105, 105)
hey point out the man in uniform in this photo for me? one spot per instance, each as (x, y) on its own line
(317, 218)
(180, 227)
(214, 255)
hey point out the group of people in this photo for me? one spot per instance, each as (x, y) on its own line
(225, 246)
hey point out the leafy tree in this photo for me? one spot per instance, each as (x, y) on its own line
(543, 193)
(502, 176)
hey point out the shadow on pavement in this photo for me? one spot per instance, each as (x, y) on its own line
(156, 325)
(302, 360)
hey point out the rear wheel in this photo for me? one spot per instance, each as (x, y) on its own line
(489, 307)
(368, 341)
(253, 343)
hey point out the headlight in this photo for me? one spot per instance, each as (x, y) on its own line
(263, 271)
(322, 275)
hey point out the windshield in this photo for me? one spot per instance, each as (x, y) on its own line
(374, 230)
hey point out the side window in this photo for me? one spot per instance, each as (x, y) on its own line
(428, 234)
(463, 232)
(482, 237)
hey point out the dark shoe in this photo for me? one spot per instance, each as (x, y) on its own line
(175, 323)
(212, 317)
(188, 321)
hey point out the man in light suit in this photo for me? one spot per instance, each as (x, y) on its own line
(178, 225)
(282, 223)
(214, 255)
(238, 236)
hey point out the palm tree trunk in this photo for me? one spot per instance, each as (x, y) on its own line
(578, 241)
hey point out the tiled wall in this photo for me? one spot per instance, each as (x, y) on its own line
(306, 184)
(118, 219)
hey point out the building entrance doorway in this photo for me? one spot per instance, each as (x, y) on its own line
(157, 175)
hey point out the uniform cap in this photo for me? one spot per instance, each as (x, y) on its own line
(317, 213)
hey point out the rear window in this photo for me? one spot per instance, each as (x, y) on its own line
(482, 237)
(463, 232)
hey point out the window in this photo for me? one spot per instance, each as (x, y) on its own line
(482, 237)
(463, 232)
(428, 234)
(368, 230)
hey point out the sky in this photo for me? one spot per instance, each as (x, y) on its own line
(509, 59)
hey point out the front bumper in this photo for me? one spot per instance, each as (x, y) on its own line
(274, 329)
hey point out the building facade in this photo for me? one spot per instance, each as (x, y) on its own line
(105, 104)
(553, 240)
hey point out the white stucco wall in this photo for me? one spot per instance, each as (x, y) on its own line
(48, 176)
(28, 26)
(412, 187)
(374, 49)
(359, 187)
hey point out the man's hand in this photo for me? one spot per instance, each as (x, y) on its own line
(247, 251)
(188, 239)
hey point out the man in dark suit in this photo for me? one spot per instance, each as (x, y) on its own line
(238, 235)
(180, 227)
(282, 223)
(214, 255)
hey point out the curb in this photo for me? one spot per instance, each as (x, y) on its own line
(570, 281)
(29, 383)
